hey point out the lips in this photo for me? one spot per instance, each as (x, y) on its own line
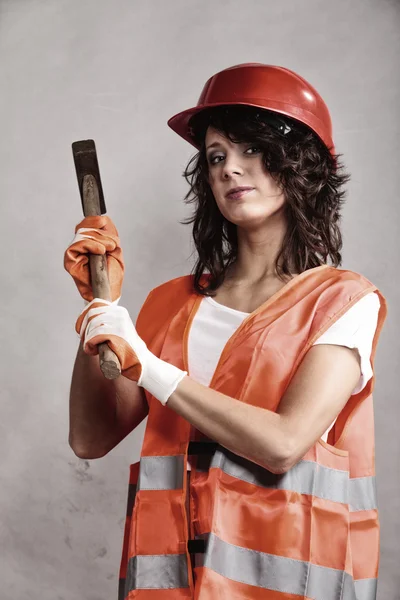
(238, 192)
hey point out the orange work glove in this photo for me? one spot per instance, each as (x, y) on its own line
(95, 235)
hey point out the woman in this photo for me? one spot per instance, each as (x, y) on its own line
(243, 370)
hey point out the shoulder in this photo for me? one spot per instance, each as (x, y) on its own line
(367, 304)
(358, 322)
(183, 282)
(169, 293)
(161, 303)
(355, 289)
(343, 275)
(345, 301)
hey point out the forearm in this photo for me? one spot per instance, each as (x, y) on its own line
(249, 431)
(252, 432)
(93, 407)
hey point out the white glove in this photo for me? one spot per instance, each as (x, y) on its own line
(107, 322)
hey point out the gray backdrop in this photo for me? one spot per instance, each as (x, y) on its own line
(116, 71)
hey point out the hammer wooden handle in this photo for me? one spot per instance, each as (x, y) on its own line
(109, 363)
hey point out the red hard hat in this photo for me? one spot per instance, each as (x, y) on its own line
(265, 86)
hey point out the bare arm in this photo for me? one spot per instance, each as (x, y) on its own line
(315, 396)
(102, 412)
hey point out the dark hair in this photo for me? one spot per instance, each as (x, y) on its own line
(298, 160)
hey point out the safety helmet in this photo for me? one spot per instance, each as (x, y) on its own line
(269, 87)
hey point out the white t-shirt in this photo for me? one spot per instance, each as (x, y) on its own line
(215, 323)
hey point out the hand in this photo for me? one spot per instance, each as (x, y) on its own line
(102, 321)
(95, 235)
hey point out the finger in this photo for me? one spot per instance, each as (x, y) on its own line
(98, 222)
(131, 365)
(95, 307)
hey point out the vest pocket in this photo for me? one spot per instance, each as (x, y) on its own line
(333, 449)
(291, 530)
(154, 555)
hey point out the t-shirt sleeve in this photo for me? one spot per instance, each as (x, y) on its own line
(356, 329)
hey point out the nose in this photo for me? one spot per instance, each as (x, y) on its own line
(231, 167)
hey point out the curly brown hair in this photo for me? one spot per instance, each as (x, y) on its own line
(311, 176)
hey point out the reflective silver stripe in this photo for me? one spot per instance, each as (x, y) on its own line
(363, 493)
(165, 571)
(366, 589)
(161, 473)
(276, 573)
(306, 477)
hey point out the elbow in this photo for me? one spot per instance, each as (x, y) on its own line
(283, 460)
(281, 466)
(278, 466)
(85, 452)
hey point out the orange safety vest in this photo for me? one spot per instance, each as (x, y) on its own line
(310, 533)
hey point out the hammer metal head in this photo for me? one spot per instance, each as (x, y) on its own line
(85, 159)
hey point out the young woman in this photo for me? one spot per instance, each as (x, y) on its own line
(257, 475)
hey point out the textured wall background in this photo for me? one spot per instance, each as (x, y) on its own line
(116, 71)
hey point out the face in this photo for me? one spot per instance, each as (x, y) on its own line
(235, 165)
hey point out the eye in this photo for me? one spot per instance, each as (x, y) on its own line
(256, 148)
(212, 159)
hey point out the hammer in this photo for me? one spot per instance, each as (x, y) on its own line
(91, 191)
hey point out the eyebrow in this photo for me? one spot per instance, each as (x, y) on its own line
(213, 145)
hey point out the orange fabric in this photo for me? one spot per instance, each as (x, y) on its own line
(168, 519)
(256, 367)
(364, 537)
(106, 241)
(281, 512)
